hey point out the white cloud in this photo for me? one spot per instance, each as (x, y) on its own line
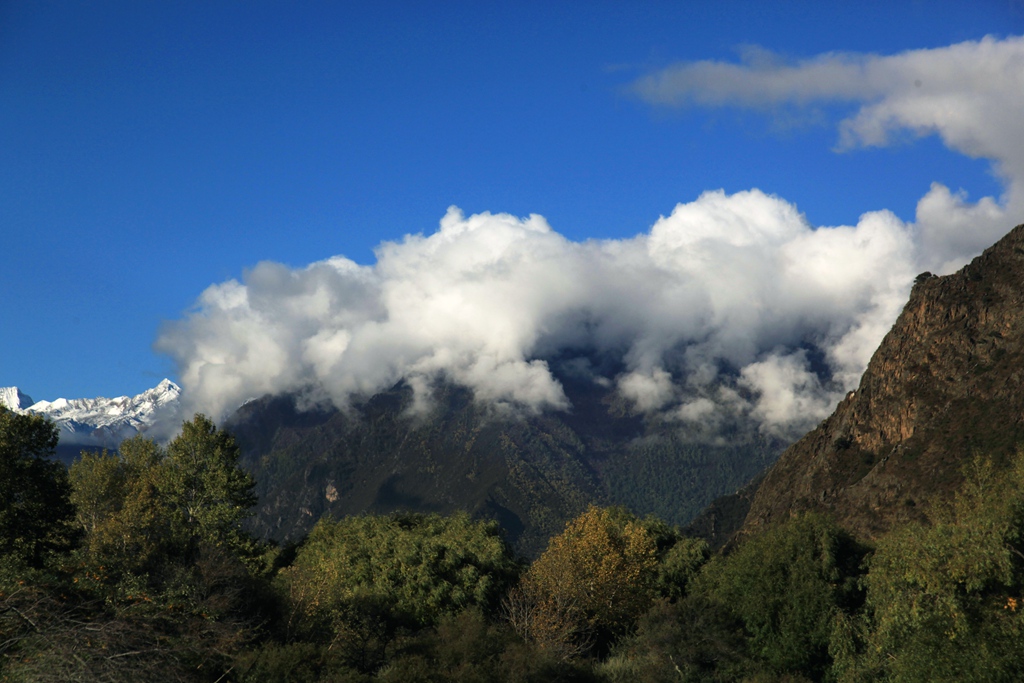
(698, 410)
(717, 287)
(648, 391)
(787, 393)
(971, 95)
(732, 305)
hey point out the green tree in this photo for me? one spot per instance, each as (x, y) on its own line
(944, 601)
(688, 640)
(35, 507)
(358, 580)
(208, 494)
(679, 564)
(787, 585)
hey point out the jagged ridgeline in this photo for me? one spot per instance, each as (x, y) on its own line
(530, 473)
(946, 384)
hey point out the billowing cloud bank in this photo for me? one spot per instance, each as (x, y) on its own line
(732, 305)
(735, 284)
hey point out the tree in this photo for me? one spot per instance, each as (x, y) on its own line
(360, 579)
(167, 523)
(159, 589)
(594, 580)
(120, 508)
(944, 601)
(35, 508)
(787, 585)
(208, 494)
(97, 489)
(680, 558)
(685, 641)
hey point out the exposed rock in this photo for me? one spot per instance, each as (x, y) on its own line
(945, 384)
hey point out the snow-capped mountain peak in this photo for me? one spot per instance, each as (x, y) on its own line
(104, 421)
(14, 399)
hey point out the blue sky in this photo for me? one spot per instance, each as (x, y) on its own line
(151, 150)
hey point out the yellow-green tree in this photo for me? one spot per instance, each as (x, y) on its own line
(119, 506)
(592, 582)
(150, 511)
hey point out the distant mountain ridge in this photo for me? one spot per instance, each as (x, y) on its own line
(531, 473)
(102, 422)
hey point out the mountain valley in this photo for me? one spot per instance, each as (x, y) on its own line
(892, 525)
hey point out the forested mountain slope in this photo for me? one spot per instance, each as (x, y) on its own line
(531, 473)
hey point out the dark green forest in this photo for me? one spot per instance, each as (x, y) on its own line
(532, 473)
(137, 565)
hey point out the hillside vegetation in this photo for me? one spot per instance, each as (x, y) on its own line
(144, 572)
(887, 545)
(530, 473)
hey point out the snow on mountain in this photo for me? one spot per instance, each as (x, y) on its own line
(14, 398)
(104, 421)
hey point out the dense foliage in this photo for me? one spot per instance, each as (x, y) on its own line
(136, 566)
(417, 567)
(34, 506)
(357, 583)
(163, 582)
(786, 587)
(532, 473)
(944, 601)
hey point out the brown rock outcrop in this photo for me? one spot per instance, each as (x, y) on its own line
(945, 384)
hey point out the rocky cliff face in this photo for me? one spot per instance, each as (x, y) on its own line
(946, 383)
